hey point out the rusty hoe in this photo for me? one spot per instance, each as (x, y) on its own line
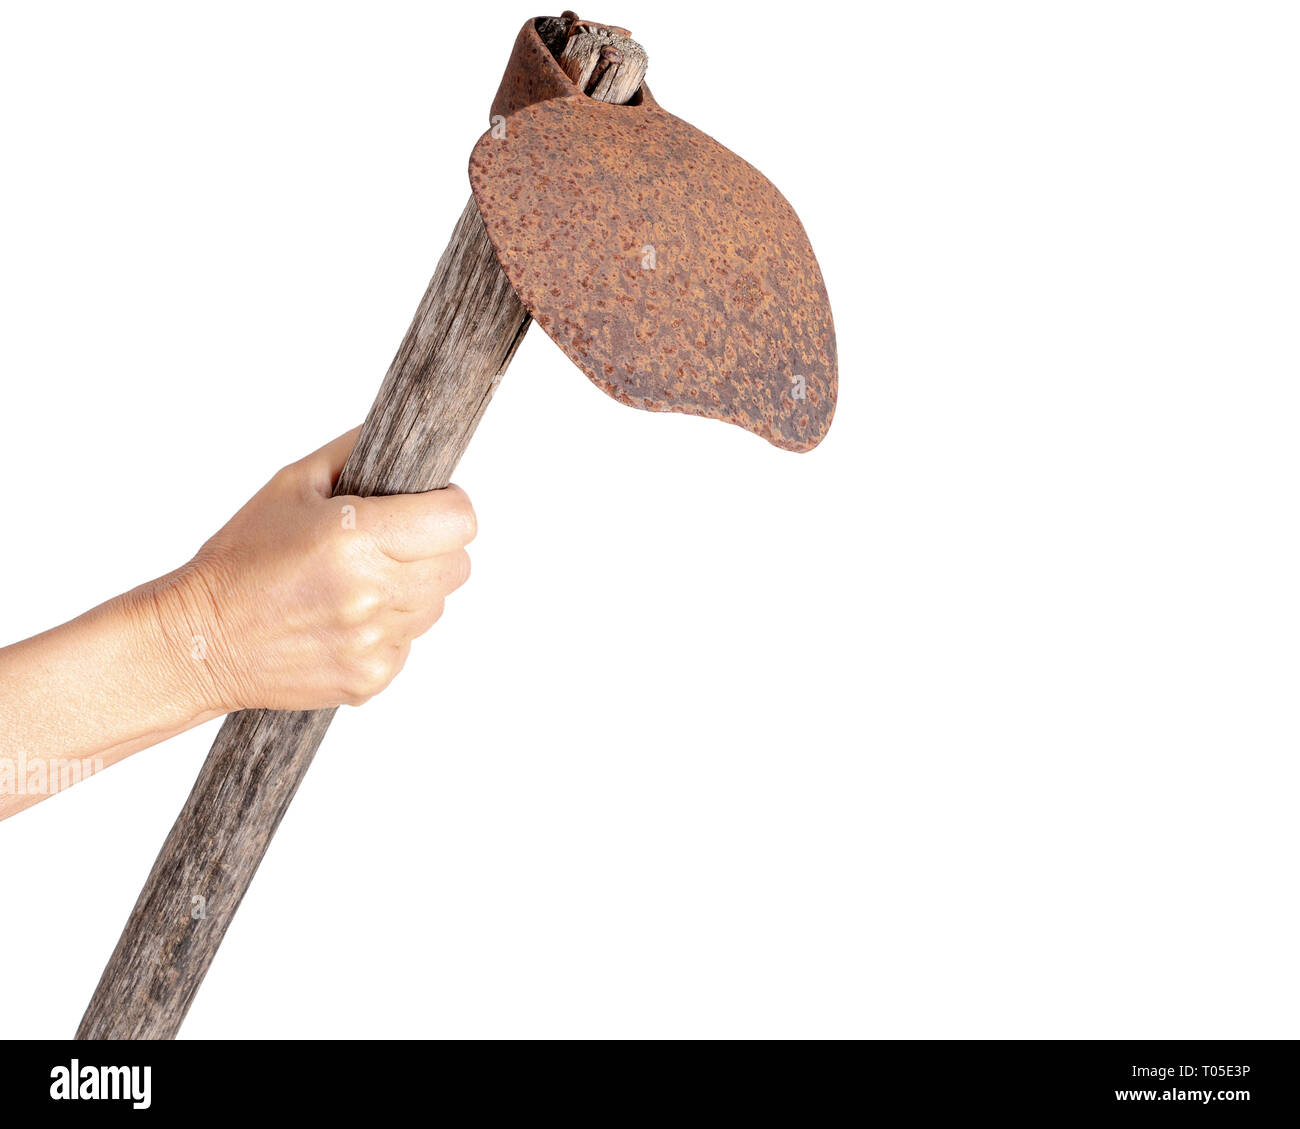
(669, 271)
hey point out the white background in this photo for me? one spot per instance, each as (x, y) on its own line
(980, 720)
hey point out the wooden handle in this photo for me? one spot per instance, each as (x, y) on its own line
(440, 382)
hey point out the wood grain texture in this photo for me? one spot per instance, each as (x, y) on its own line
(604, 62)
(462, 338)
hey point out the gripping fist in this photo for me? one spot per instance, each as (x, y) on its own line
(303, 600)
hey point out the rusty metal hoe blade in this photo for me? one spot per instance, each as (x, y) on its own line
(673, 273)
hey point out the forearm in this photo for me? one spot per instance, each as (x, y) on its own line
(82, 696)
(302, 601)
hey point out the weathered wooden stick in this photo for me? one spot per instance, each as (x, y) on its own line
(464, 335)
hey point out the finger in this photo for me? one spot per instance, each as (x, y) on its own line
(323, 467)
(391, 656)
(412, 625)
(403, 650)
(421, 583)
(416, 527)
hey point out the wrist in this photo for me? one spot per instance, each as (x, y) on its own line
(177, 619)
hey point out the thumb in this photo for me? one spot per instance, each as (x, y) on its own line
(323, 467)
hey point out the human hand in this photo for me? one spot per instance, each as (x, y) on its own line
(305, 601)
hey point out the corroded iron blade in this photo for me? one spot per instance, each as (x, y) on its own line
(671, 272)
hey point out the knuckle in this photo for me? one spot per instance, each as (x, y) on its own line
(291, 484)
(359, 607)
(371, 675)
(347, 551)
(365, 638)
(335, 553)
